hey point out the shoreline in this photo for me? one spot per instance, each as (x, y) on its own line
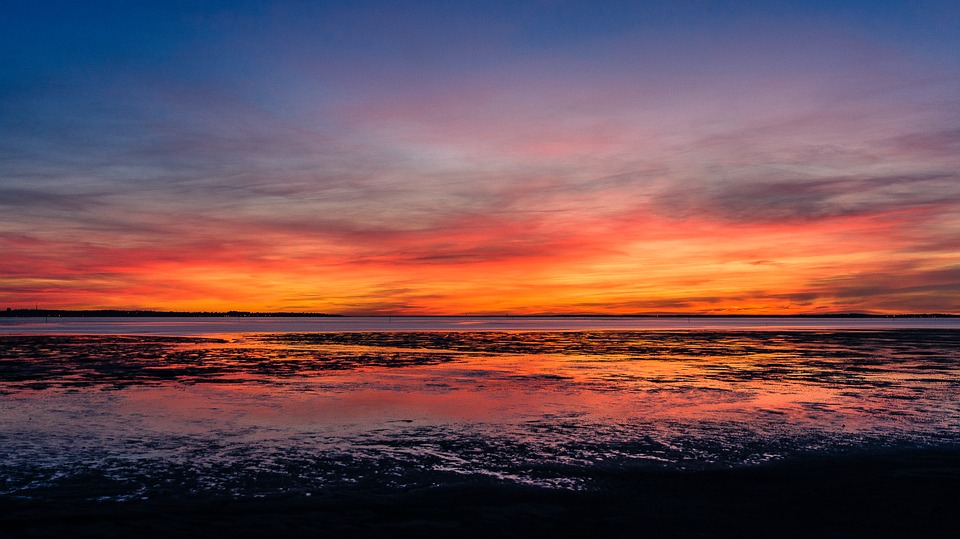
(123, 313)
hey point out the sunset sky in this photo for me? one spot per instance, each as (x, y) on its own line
(481, 157)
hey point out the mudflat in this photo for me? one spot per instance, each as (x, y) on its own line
(708, 433)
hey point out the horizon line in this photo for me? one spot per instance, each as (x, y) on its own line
(37, 312)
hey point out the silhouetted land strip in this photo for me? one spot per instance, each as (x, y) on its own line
(116, 313)
(907, 493)
(120, 313)
(754, 316)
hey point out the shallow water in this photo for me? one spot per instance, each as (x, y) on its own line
(261, 414)
(206, 326)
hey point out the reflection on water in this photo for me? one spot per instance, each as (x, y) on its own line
(262, 414)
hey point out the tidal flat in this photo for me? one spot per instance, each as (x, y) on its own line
(665, 432)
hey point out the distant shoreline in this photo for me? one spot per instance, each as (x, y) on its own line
(123, 313)
(118, 313)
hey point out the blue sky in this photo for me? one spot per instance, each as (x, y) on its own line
(488, 157)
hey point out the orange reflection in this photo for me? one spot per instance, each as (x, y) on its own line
(519, 406)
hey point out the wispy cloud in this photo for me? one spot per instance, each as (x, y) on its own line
(285, 157)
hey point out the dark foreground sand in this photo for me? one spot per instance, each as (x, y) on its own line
(897, 494)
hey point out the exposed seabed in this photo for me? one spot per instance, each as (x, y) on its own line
(706, 433)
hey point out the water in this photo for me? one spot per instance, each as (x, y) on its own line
(122, 413)
(192, 326)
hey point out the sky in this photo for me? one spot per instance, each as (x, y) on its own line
(489, 157)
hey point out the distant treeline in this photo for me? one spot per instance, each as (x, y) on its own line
(809, 315)
(118, 313)
(101, 313)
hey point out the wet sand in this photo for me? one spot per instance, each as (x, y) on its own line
(437, 434)
(907, 493)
